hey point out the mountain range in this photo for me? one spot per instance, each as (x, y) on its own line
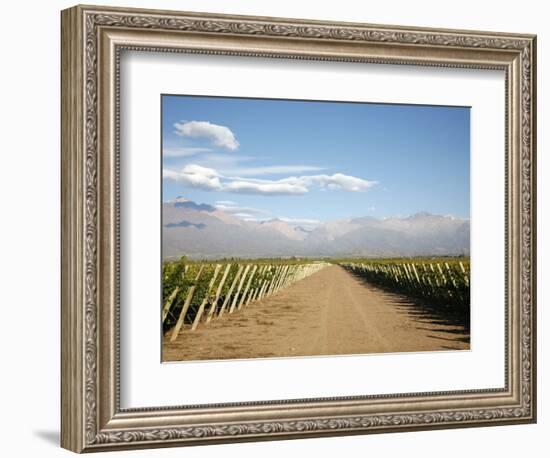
(201, 231)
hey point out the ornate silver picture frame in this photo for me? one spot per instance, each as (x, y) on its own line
(93, 39)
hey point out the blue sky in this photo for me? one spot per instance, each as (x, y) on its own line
(309, 161)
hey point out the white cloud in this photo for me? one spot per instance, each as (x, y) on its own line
(195, 176)
(225, 202)
(259, 215)
(270, 188)
(335, 182)
(301, 221)
(218, 135)
(270, 170)
(208, 178)
(245, 216)
(231, 207)
(183, 151)
(339, 181)
(230, 165)
(194, 168)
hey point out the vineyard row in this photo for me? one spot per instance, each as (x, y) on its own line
(443, 283)
(197, 293)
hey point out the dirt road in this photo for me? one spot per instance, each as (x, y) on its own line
(331, 312)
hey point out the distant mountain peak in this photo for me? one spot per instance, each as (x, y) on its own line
(421, 214)
(183, 202)
(204, 232)
(284, 228)
(185, 224)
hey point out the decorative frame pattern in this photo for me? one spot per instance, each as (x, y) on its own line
(92, 39)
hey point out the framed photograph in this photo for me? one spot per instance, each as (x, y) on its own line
(277, 228)
(289, 229)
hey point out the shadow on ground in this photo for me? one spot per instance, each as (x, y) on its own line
(432, 317)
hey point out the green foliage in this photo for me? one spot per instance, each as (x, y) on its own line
(181, 276)
(441, 281)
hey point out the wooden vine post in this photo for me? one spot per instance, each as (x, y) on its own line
(206, 297)
(241, 283)
(247, 287)
(228, 297)
(218, 293)
(168, 303)
(185, 307)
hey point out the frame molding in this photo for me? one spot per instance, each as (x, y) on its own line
(92, 40)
